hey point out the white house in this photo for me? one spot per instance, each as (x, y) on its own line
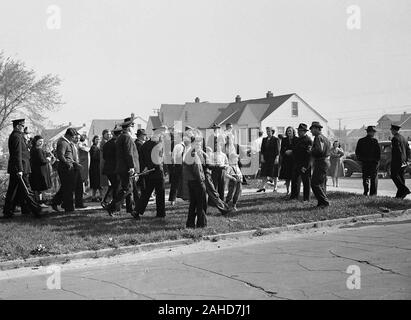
(98, 125)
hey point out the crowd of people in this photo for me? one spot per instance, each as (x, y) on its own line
(123, 169)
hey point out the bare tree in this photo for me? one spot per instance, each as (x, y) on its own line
(21, 92)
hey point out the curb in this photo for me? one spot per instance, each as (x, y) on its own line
(110, 252)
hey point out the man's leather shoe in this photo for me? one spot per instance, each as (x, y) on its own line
(81, 206)
(135, 215)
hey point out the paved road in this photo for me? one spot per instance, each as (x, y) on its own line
(308, 265)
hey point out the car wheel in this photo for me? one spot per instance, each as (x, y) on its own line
(348, 172)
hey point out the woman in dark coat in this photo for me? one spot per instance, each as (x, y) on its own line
(269, 159)
(40, 177)
(286, 157)
(94, 170)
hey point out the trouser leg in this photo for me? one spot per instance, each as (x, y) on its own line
(306, 180)
(237, 192)
(67, 179)
(145, 197)
(318, 181)
(231, 189)
(176, 178)
(192, 206)
(123, 188)
(160, 197)
(79, 191)
(366, 178)
(213, 196)
(12, 198)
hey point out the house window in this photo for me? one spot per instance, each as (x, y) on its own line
(280, 130)
(186, 115)
(294, 109)
(139, 126)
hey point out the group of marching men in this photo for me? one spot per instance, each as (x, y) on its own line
(198, 168)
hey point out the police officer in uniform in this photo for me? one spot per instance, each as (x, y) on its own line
(400, 150)
(127, 165)
(368, 152)
(320, 154)
(18, 166)
(302, 165)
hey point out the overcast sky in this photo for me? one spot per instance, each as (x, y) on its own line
(123, 56)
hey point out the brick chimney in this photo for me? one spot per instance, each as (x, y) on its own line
(269, 94)
(237, 98)
(197, 100)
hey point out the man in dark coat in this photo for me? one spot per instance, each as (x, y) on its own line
(320, 154)
(270, 151)
(127, 166)
(109, 167)
(368, 152)
(66, 172)
(400, 151)
(301, 153)
(152, 158)
(141, 183)
(18, 166)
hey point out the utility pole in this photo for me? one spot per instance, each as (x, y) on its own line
(339, 128)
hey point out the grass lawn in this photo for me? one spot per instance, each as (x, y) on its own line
(60, 233)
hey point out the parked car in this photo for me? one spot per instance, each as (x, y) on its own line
(352, 165)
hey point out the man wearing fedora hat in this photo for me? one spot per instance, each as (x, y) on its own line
(18, 167)
(368, 152)
(109, 167)
(400, 155)
(301, 152)
(320, 154)
(66, 172)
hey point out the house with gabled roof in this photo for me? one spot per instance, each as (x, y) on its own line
(384, 125)
(247, 117)
(53, 134)
(98, 125)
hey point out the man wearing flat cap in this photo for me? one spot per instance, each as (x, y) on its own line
(368, 152)
(18, 166)
(152, 159)
(320, 154)
(400, 155)
(301, 152)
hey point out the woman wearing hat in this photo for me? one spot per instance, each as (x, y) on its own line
(286, 157)
(94, 170)
(40, 177)
(269, 159)
(336, 165)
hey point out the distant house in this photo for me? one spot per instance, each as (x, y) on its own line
(98, 125)
(152, 123)
(247, 117)
(384, 125)
(52, 135)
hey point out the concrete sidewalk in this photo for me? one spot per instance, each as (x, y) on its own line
(314, 264)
